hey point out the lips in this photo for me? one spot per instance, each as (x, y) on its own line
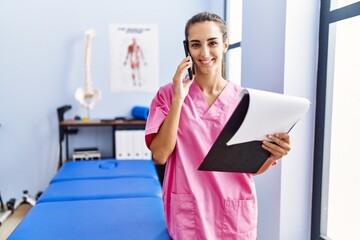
(205, 61)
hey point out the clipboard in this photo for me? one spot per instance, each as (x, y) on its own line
(238, 146)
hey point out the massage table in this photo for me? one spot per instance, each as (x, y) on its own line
(107, 168)
(98, 199)
(99, 219)
(101, 189)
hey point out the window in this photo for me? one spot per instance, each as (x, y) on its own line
(341, 3)
(336, 209)
(233, 20)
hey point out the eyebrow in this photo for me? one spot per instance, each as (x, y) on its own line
(210, 39)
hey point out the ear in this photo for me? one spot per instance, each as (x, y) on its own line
(226, 45)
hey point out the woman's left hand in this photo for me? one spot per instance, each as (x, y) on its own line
(278, 145)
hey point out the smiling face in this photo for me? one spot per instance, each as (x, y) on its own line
(207, 47)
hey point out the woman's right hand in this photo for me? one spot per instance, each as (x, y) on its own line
(164, 141)
(181, 89)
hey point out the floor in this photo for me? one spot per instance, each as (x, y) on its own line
(13, 220)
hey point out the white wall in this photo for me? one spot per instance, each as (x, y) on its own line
(280, 54)
(302, 29)
(41, 65)
(263, 68)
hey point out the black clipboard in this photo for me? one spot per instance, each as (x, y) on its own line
(245, 157)
(248, 156)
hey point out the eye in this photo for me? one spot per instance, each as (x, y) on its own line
(213, 43)
(195, 45)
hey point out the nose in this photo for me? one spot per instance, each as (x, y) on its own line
(205, 51)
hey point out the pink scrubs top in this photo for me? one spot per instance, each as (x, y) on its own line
(205, 205)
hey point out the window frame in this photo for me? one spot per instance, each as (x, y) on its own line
(327, 17)
(231, 45)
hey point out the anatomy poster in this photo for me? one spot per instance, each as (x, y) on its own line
(133, 57)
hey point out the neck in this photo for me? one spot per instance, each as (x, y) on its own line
(211, 84)
(211, 88)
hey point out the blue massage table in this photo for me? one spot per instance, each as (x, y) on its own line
(108, 168)
(101, 189)
(103, 219)
(98, 199)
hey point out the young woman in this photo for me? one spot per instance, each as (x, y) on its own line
(186, 116)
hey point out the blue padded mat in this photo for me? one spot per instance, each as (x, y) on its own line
(108, 168)
(100, 189)
(105, 219)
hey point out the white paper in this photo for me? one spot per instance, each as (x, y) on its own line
(269, 113)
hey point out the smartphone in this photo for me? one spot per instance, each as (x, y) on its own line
(186, 49)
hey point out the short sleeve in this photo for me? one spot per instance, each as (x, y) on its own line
(158, 111)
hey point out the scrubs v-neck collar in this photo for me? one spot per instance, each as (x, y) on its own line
(218, 105)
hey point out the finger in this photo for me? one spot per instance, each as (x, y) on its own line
(284, 136)
(187, 59)
(273, 154)
(281, 140)
(187, 84)
(180, 72)
(184, 65)
(276, 149)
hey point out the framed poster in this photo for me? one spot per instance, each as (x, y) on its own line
(133, 57)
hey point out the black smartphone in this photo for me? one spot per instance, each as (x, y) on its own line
(186, 49)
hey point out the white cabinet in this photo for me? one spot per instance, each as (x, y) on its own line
(130, 144)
